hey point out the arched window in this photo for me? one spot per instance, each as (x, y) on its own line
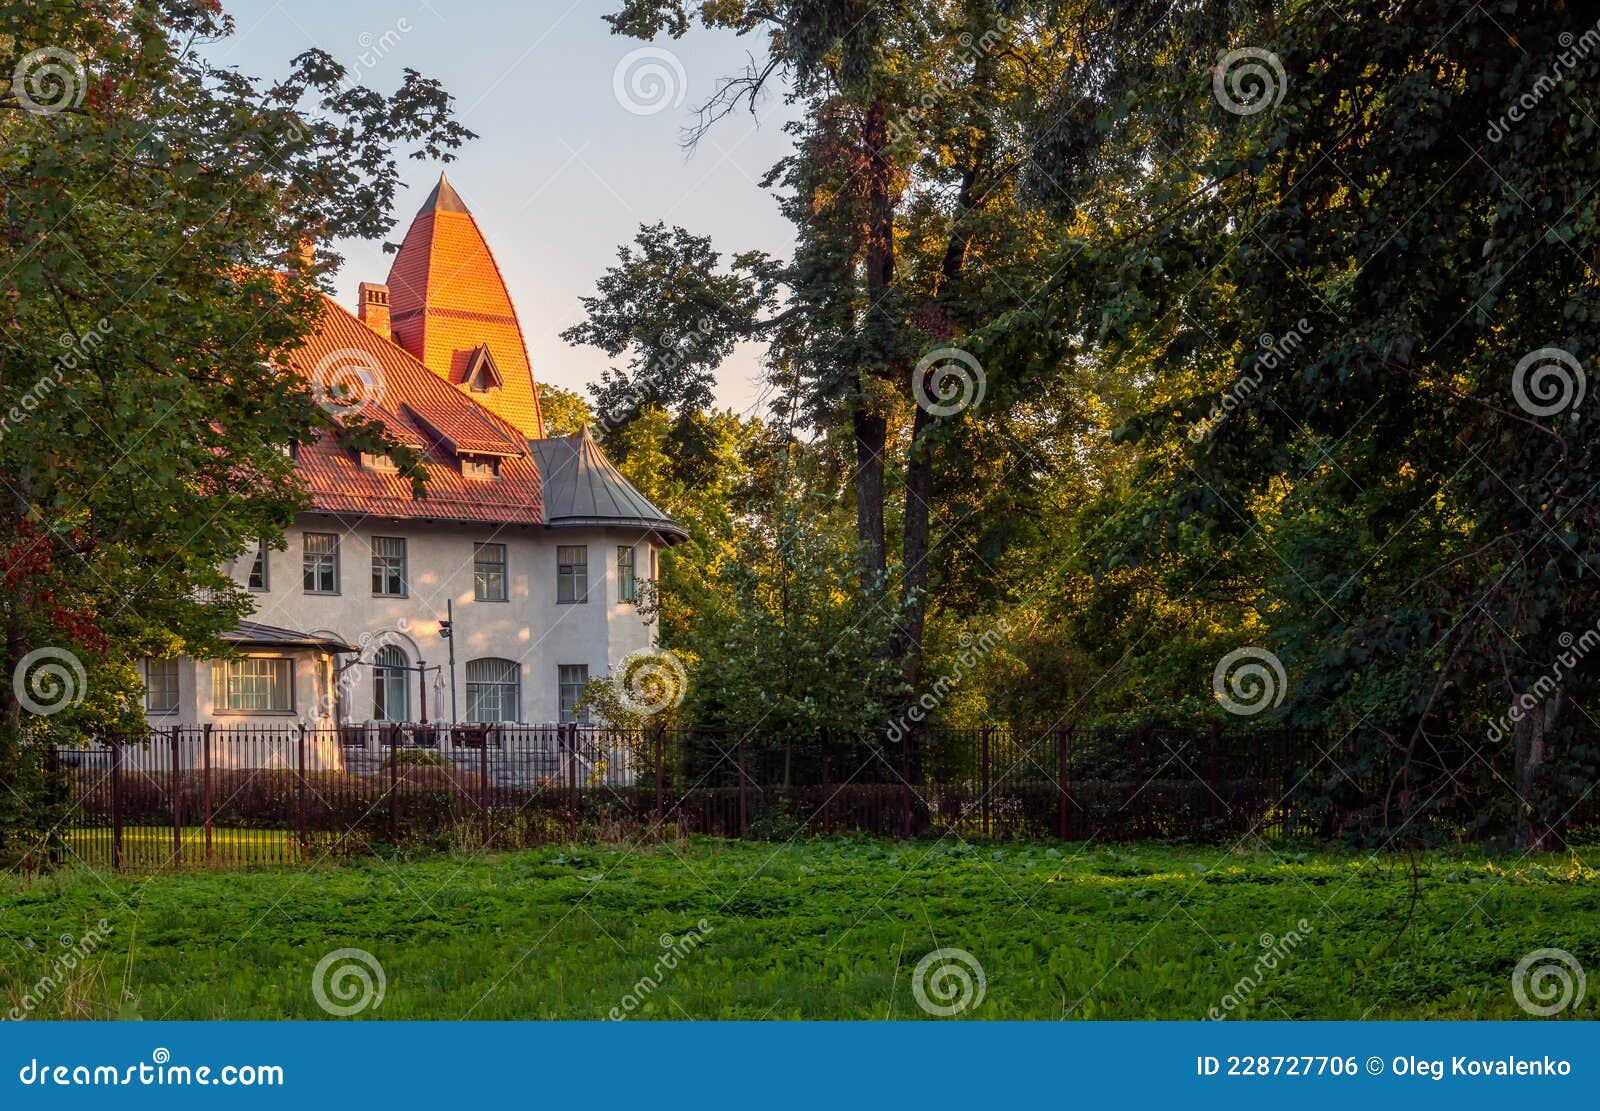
(494, 690)
(391, 693)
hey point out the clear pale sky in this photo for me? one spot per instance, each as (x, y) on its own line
(562, 172)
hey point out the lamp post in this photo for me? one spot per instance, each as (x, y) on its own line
(447, 630)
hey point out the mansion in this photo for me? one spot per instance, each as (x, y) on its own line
(535, 549)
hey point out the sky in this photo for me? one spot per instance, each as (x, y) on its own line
(578, 144)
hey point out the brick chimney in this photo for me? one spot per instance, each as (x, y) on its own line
(373, 308)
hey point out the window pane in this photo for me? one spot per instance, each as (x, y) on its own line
(493, 690)
(161, 685)
(627, 590)
(253, 684)
(388, 565)
(321, 562)
(391, 690)
(489, 572)
(572, 573)
(258, 567)
(572, 678)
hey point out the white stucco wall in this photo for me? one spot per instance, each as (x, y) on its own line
(530, 627)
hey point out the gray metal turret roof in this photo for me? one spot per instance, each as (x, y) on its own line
(583, 490)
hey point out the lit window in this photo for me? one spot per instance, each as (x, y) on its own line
(572, 574)
(321, 563)
(572, 678)
(494, 689)
(389, 566)
(253, 683)
(161, 686)
(391, 694)
(627, 584)
(489, 572)
(258, 568)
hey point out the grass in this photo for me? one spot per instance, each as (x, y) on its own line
(820, 929)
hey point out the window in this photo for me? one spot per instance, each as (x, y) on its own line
(479, 468)
(382, 464)
(161, 686)
(258, 568)
(572, 574)
(391, 694)
(572, 678)
(321, 563)
(253, 683)
(489, 572)
(627, 584)
(494, 690)
(389, 566)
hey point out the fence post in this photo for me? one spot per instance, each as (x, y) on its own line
(986, 778)
(1289, 814)
(1214, 771)
(300, 793)
(483, 781)
(744, 798)
(394, 784)
(176, 782)
(1138, 781)
(1063, 756)
(827, 784)
(205, 781)
(905, 781)
(660, 738)
(116, 802)
(53, 768)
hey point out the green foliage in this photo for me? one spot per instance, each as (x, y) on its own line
(153, 220)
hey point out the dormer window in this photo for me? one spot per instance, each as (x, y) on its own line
(482, 375)
(383, 464)
(481, 467)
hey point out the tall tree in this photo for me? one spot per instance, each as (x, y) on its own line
(155, 213)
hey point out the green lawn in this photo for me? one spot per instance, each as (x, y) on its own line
(824, 929)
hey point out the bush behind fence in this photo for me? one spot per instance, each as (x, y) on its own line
(197, 795)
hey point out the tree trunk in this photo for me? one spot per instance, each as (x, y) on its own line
(1531, 736)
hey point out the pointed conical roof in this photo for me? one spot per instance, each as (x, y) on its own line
(582, 489)
(447, 299)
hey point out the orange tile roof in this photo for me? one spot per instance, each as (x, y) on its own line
(421, 410)
(447, 299)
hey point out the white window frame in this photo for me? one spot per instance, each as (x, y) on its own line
(280, 681)
(390, 568)
(572, 575)
(479, 564)
(504, 689)
(312, 564)
(565, 685)
(152, 686)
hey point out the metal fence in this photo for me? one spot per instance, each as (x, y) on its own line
(222, 796)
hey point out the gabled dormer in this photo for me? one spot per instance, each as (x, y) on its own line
(482, 375)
